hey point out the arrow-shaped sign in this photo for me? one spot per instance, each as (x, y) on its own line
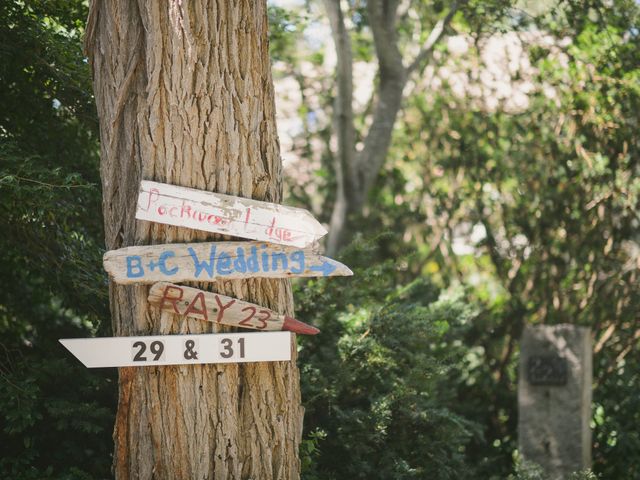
(180, 349)
(215, 212)
(213, 307)
(206, 262)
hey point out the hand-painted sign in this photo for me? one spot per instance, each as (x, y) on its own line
(213, 307)
(207, 262)
(215, 212)
(180, 349)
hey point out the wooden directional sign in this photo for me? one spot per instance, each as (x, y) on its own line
(213, 307)
(215, 212)
(180, 349)
(216, 261)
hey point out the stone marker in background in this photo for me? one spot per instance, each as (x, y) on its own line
(554, 398)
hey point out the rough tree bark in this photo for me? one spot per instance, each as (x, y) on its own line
(185, 96)
(356, 171)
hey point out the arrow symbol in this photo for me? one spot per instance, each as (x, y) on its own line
(327, 268)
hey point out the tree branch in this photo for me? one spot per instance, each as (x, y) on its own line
(344, 126)
(357, 172)
(382, 19)
(382, 15)
(432, 39)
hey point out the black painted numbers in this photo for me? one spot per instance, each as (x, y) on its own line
(156, 349)
(229, 349)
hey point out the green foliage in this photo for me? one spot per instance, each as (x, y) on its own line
(554, 192)
(283, 32)
(309, 453)
(57, 416)
(50, 201)
(379, 393)
(525, 470)
(551, 195)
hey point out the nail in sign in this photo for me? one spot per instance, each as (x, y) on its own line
(211, 261)
(215, 212)
(180, 349)
(214, 307)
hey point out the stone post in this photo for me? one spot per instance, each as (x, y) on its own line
(554, 398)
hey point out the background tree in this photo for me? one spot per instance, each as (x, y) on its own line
(404, 37)
(550, 192)
(529, 207)
(184, 95)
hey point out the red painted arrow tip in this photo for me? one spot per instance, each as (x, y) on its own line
(296, 326)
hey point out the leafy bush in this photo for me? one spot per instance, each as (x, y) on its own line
(374, 381)
(57, 417)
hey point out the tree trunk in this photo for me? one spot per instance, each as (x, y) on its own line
(357, 172)
(346, 175)
(185, 96)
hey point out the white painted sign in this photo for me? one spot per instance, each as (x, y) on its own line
(206, 262)
(180, 349)
(215, 212)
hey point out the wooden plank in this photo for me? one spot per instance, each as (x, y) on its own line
(180, 349)
(214, 307)
(211, 261)
(215, 212)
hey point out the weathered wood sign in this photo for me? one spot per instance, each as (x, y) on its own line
(216, 261)
(215, 212)
(213, 307)
(180, 349)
